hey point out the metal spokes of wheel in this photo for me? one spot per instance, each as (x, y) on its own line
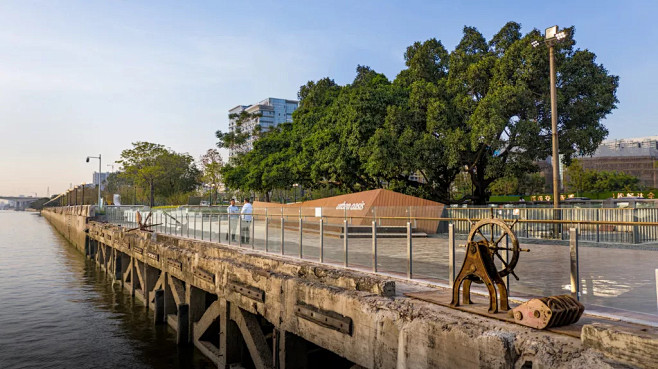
(497, 231)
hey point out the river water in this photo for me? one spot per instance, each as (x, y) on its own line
(58, 310)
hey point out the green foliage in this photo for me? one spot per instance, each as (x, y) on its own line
(239, 135)
(211, 169)
(164, 172)
(483, 108)
(589, 180)
(505, 186)
(532, 183)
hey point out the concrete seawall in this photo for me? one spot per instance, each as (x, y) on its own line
(71, 222)
(240, 306)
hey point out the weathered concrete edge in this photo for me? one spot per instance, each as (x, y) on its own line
(388, 332)
(632, 347)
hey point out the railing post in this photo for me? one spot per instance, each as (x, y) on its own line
(657, 288)
(636, 233)
(506, 256)
(210, 226)
(573, 256)
(240, 230)
(202, 227)
(187, 223)
(283, 225)
(598, 217)
(267, 232)
(321, 239)
(219, 226)
(195, 225)
(451, 254)
(229, 236)
(410, 264)
(253, 230)
(345, 243)
(374, 245)
(300, 234)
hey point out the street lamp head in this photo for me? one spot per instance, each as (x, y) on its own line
(87, 159)
(534, 43)
(550, 32)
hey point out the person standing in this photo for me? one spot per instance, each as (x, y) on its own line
(233, 216)
(247, 217)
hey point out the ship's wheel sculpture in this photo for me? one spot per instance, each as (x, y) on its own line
(485, 242)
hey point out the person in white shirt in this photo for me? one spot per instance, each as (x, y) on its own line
(247, 217)
(233, 216)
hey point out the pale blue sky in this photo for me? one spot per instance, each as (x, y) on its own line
(79, 78)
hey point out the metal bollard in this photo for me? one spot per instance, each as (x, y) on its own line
(345, 243)
(573, 256)
(374, 246)
(451, 254)
(410, 253)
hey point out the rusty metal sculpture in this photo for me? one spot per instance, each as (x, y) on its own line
(480, 262)
(143, 225)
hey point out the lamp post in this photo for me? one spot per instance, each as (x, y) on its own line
(294, 190)
(99, 176)
(552, 37)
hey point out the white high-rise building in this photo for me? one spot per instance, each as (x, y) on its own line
(272, 112)
(100, 178)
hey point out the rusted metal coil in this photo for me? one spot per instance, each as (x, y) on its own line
(547, 312)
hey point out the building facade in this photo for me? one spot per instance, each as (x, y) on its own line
(634, 156)
(100, 178)
(271, 112)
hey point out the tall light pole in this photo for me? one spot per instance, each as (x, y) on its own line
(99, 176)
(294, 190)
(552, 37)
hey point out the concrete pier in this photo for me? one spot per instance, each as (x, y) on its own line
(244, 307)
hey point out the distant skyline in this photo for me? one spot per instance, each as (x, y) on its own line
(79, 78)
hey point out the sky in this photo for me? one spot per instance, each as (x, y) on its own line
(80, 78)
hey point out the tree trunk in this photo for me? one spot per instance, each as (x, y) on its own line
(481, 193)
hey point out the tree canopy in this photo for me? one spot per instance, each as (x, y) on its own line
(483, 108)
(162, 171)
(590, 180)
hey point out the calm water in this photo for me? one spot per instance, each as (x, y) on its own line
(57, 310)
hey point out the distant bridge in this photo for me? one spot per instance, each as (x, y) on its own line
(18, 203)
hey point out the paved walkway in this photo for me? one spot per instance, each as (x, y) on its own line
(610, 277)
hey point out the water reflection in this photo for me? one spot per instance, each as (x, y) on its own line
(60, 310)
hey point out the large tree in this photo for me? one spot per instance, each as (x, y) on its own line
(211, 167)
(496, 119)
(483, 108)
(159, 169)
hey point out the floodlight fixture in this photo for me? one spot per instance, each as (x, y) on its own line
(534, 43)
(550, 32)
(561, 35)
